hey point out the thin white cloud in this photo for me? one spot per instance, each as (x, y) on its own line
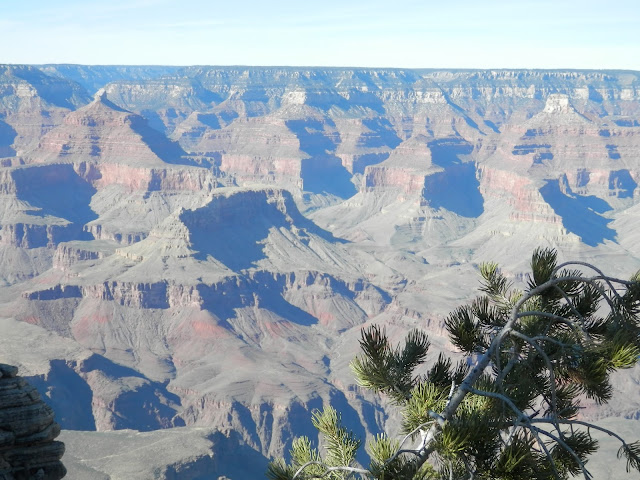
(404, 33)
(10, 24)
(191, 24)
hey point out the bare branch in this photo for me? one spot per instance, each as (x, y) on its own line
(404, 440)
(601, 276)
(584, 424)
(328, 469)
(563, 444)
(552, 377)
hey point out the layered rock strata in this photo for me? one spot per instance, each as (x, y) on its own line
(229, 308)
(28, 450)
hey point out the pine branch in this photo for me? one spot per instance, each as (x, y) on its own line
(341, 445)
(552, 378)
(485, 359)
(327, 470)
(587, 475)
(609, 280)
(629, 449)
(385, 369)
(554, 347)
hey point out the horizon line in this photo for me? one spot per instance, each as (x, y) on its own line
(332, 67)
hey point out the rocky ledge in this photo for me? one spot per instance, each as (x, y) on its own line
(27, 431)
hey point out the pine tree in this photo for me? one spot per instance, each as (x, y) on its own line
(507, 410)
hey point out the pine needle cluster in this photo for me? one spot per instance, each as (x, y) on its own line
(508, 410)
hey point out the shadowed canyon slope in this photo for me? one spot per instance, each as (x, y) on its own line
(199, 247)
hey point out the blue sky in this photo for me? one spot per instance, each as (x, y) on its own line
(374, 33)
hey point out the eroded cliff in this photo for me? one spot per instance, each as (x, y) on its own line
(200, 246)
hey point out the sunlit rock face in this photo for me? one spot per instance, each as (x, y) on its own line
(198, 248)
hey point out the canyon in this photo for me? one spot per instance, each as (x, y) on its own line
(188, 254)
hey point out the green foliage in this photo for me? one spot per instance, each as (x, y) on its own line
(518, 459)
(387, 464)
(385, 369)
(632, 453)
(425, 398)
(501, 412)
(341, 445)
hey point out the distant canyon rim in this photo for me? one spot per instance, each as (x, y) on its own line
(188, 254)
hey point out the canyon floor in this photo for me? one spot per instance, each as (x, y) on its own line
(188, 255)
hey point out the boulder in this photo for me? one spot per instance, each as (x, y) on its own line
(27, 432)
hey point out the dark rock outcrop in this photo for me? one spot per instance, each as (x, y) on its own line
(27, 432)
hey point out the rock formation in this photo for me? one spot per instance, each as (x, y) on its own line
(108, 133)
(27, 432)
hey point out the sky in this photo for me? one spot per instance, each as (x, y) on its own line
(582, 34)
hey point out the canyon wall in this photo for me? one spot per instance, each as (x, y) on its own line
(199, 247)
